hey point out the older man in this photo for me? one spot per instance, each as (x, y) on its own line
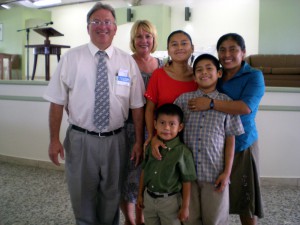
(95, 144)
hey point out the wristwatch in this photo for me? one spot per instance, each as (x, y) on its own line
(212, 104)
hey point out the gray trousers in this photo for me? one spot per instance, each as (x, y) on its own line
(95, 169)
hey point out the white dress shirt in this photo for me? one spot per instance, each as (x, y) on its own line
(73, 84)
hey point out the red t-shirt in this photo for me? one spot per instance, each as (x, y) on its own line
(163, 89)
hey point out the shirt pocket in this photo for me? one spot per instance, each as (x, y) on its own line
(122, 86)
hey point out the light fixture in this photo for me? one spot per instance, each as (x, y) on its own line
(43, 3)
(5, 6)
(129, 15)
(187, 14)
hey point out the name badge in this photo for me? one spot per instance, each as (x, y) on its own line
(123, 78)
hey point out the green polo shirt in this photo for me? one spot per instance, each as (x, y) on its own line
(167, 175)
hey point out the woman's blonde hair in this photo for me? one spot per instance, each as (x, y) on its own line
(146, 26)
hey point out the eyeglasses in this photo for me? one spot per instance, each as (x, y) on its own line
(99, 23)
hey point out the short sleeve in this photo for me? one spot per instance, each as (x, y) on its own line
(254, 90)
(152, 88)
(233, 125)
(187, 166)
(57, 89)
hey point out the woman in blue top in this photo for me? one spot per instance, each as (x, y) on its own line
(245, 85)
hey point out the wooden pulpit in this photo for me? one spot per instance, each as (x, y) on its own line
(46, 49)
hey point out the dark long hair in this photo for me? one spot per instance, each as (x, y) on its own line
(234, 36)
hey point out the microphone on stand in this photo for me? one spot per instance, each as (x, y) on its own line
(49, 23)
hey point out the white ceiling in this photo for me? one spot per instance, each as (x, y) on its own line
(29, 3)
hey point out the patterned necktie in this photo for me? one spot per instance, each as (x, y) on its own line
(101, 110)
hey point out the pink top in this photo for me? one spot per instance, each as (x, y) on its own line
(163, 89)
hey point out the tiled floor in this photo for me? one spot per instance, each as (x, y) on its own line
(36, 196)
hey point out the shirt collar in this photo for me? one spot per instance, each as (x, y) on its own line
(172, 143)
(244, 69)
(212, 95)
(94, 49)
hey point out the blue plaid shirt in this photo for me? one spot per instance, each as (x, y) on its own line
(205, 134)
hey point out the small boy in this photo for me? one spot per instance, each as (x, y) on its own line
(163, 181)
(211, 136)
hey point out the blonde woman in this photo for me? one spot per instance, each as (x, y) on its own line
(143, 42)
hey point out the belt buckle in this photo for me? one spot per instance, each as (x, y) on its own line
(101, 136)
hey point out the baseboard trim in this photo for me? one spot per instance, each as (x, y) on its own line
(285, 181)
(267, 181)
(31, 162)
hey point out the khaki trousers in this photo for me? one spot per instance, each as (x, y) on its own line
(208, 207)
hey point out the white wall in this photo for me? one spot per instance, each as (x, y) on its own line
(210, 19)
(24, 128)
(279, 143)
(24, 131)
(282, 38)
(279, 134)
